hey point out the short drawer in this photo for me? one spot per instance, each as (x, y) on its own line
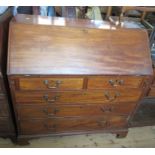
(115, 81)
(50, 83)
(33, 111)
(94, 96)
(3, 110)
(62, 125)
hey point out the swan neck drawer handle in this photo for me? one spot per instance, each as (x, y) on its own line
(52, 84)
(110, 97)
(54, 99)
(115, 83)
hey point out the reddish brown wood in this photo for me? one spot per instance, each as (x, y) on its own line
(104, 72)
(88, 96)
(55, 125)
(69, 50)
(40, 111)
(50, 83)
(112, 82)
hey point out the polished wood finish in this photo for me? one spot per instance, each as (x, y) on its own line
(68, 97)
(55, 125)
(112, 82)
(67, 53)
(50, 83)
(73, 76)
(31, 111)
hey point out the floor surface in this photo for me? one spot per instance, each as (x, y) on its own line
(137, 137)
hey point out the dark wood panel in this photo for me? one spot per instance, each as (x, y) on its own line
(4, 109)
(50, 83)
(33, 127)
(3, 98)
(4, 125)
(33, 111)
(104, 96)
(115, 81)
(145, 114)
(151, 92)
(1, 87)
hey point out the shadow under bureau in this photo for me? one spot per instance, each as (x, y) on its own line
(72, 76)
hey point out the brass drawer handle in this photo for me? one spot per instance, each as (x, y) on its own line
(55, 98)
(55, 111)
(52, 84)
(109, 97)
(106, 109)
(47, 113)
(53, 127)
(115, 83)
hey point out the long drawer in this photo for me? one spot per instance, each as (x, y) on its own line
(115, 82)
(47, 83)
(94, 96)
(40, 111)
(62, 125)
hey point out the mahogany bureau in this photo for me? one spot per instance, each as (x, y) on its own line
(72, 76)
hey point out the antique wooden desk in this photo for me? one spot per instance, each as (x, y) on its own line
(71, 76)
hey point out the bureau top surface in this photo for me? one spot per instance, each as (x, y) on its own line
(59, 46)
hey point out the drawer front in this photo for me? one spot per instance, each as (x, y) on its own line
(32, 111)
(114, 81)
(3, 110)
(62, 125)
(104, 96)
(151, 92)
(33, 127)
(50, 83)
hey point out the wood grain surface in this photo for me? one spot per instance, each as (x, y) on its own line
(75, 97)
(71, 50)
(40, 111)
